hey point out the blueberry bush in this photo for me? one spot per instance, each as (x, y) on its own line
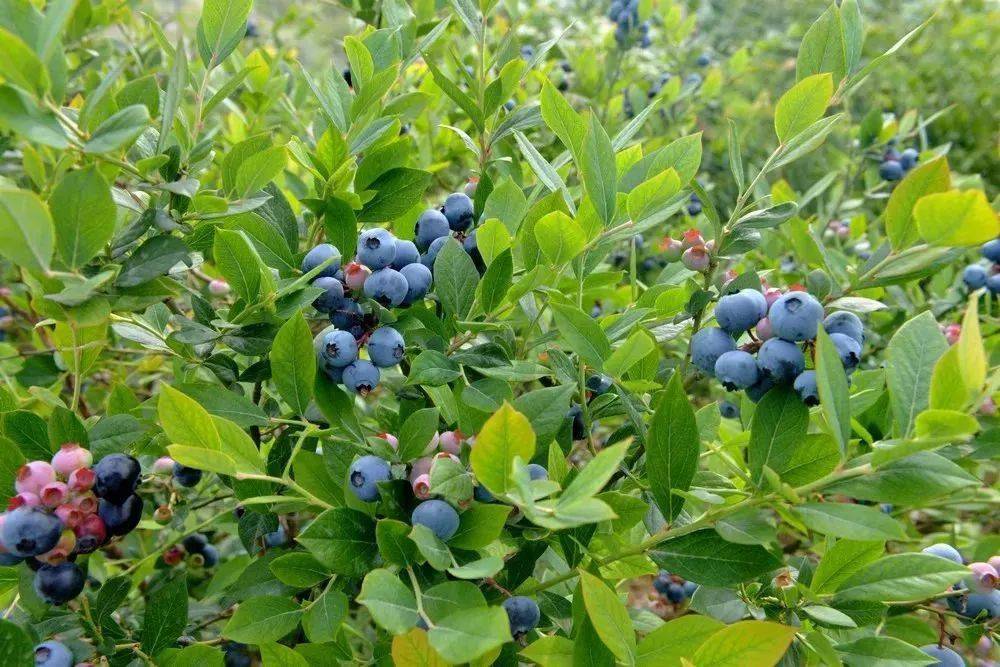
(642, 333)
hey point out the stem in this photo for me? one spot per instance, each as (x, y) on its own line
(156, 554)
(419, 596)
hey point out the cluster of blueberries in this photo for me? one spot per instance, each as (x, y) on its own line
(199, 552)
(977, 276)
(64, 509)
(895, 165)
(782, 323)
(674, 588)
(983, 586)
(626, 17)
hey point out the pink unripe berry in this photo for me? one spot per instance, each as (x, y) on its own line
(86, 502)
(984, 576)
(952, 332)
(71, 456)
(695, 258)
(391, 439)
(420, 467)
(163, 465)
(710, 245)
(843, 232)
(81, 480)
(218, 287)
(764, 330)
(70, 516)
(692, 238)
(54, 494)
(355, 275)
(446, 455)
(24, 499)
(31, 477)
(173, 555)
(988, 408)
(422, 487)
(672, 249)
(450, 442)
(771, 294)
(93, 528)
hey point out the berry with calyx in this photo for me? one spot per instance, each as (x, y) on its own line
(908, 158)
(991, 250)
(210, 556)
(320, 254)
(58, 584)
(339, 348)
(406, 254)
(672, 249)
(195, 544)
(385, 347)
(536, 472)
(431, 225)
(418, 282)
(974, 276)
(386, 286)
(355, 276)
(218, 287)
(81, 480)
(276, 538)
(523, 614)
(891, 170)
(69, 515)
(764, 329)
(984, 576)
(33, 476)
(186, 477)
(71, 456)
(987, 604)
(757, 391)
(422, 487)
(376, 248)
(599, 384)
(805, 386)
(332, 296)
(53, 495)
(163, 465)
(848, 349)
(945, 656)
(428, 258)
(780, 360)
(737, 369)
(578, 430)
(942, 550)
(364, 475)
(24, 500)
(707, 346)
(361, 377)
(450, 442)
(729, 410)
(122, 518)
(472, 248)
(796, 316)
(846, 323)
(173, 556)
(675, 593)
(91, 533)
(993, 283)
(437, 515)
(62, 550)
(704, 60)
(696, 258)
(736, 313)
(117, 476)
(30, 531)
(53, 654)
(692, 238)
(85, 502)
(163, 515)
(459, 211)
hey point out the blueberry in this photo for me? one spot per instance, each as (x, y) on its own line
(694, 79)
(805, 387)
(348, 316)
(704, 60)
(439, 516)
(737, 369)
(406, 254)
(614, 10)
(385, 347)
(364, 475)
(795, 316)
(575, 415)
(599, 384)
(974, 276)
(523, 614)
(53, 654)
(9, 560)
(185, 476)
(942, 550)
(472, 249)
(418, 282)
(431, 225)
(536, 472)
(332, 297)
(211, 556)
(428, 258)
(30, 531)
(458, 209)
(908, 158)
(729, 410)
(527, 52)
(482, 494)
(276, 538)
(58, 584)
(736, 313)
(339, 348)
(120, 519)
(780, 360)
(117, 476)
(195, 544)
(317, 256)
(890, 170)
(675, 593)
(977, 603)
(694, 208)
(945, 656)
(991, 250)
(376, 248)
(690, 588)
(387, 286)
(236, 655)
(848, 349)
(764, 385)
(361, 377)
(662, 582)
(846, 323)
(993, 283)
(707, 346)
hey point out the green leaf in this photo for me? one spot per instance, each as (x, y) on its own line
(505, 435)
(562, 119)
(650, 196)
(584, 335)
(832, 383)
(20, 66)
(322, 619)
(279, 655)
(455, 279)
(16, 648)
(27, 237)
(924, 179)
(911, 355)
(239, 264)
(609, 617)
(903, 577)
(397, 191)
(432, 548)
(598, 170)
(83, 214)
(822, 48)
(683, 155)
(21, 114)
(413, 648)
(260, 169)
(591, 480)
(745, 643)
(489, 566)
(222, 26)
(184, 421)
(913, 480)
(674, 640)
(854, 522)
(883, 652)
(343, 540)
(559, 237)
(829, 616)
(776, 433)
(672, 448)
(451, 481)
(389, 601)
(155, 257)
(551, 651)
(804, 104)
(841, 561)
(118, 131)
(265, 618)
(546, 409)
(293, 363)
(805, 141)
(956, 218)
(166, 615)
(638, 346)
(457, 95)
(703, 556)
(298, 569)
(432, 368)
(416, 433)
(468, 634)
(450, 597)
(497, 280)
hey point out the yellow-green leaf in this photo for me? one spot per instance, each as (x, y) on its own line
(956, 218)
(804, 104)
(609, 617)
(505, 435)
(559, 237)
(925, 179)
(745, 643)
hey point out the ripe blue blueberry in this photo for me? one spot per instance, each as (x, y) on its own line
(120, 518)
(945, 656)
(890, 170)
(364, 475)
(848, 349)
(780, 360)
(993, 283)
(236, 655)
(30, 531)
(406, 254)
(599, 384)
(795, 316)
(729, 410)
(675, 593)
(482, 494)
(764, 385)
(317, 256)
(387, 286)
(662, 582)
(418, 282)
(458, 209)
(707, 346)
(9, 560)
(703, 60)
(276, 538)
(430, 225)
(116, 477)
(53, 654)
(187, 477)
(211, 556)
(472, 248)
(805, 386)
(536, 472)
(195, 544)
(439, 516)
(977, 603)
(690, 588)
(385, 347)
(738, 312)
(58, 584)
(694, 79)
(376, 248)
(942, 550)
(339, 348)
(428, 258)
(578, 429)
(523, 614)
(737, 369)
(974, 276)
(991, 250)
(908, 158)
(348, 316)
(361, 377)
(332, 297)
(846, 323)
